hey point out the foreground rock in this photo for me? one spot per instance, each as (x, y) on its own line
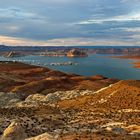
(80, 114)
(43, 104)
(14, 132)
(44, 136)
(53, 98)
(8, 99)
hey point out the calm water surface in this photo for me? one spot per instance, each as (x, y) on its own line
(91, 65)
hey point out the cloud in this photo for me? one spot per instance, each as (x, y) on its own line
(12, 28)
(15, 13)
(58, 21)
(120, 18)
(134, 1)
(67, 42)
(135, 29)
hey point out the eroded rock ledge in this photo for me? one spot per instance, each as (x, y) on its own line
(41, 104)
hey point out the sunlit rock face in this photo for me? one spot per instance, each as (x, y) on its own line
(14, 132)
(77, 53)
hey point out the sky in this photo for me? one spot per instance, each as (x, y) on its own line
(70, 22)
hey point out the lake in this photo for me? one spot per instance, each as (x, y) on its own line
(92, 65)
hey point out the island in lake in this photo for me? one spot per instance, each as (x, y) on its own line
(77, 53)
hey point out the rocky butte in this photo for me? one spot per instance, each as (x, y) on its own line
(76, 53)
(38, 103)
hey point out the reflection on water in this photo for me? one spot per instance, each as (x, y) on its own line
(92, 65)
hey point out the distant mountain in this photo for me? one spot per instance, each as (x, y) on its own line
(91, 49)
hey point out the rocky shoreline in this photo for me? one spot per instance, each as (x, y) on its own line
(132, 57)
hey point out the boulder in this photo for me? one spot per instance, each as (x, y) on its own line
(14, 132)
(44, 136)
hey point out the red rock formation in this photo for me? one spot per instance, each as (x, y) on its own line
(76, 53)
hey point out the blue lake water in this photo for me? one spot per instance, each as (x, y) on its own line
(91, 65)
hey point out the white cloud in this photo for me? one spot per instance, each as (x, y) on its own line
(135, 29)
(66, 42)
(61, 1)
(11, 28)
(16, 13)
(133, 1)
(121, 18)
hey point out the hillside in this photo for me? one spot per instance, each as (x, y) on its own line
(26, 79)
(41, 104)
